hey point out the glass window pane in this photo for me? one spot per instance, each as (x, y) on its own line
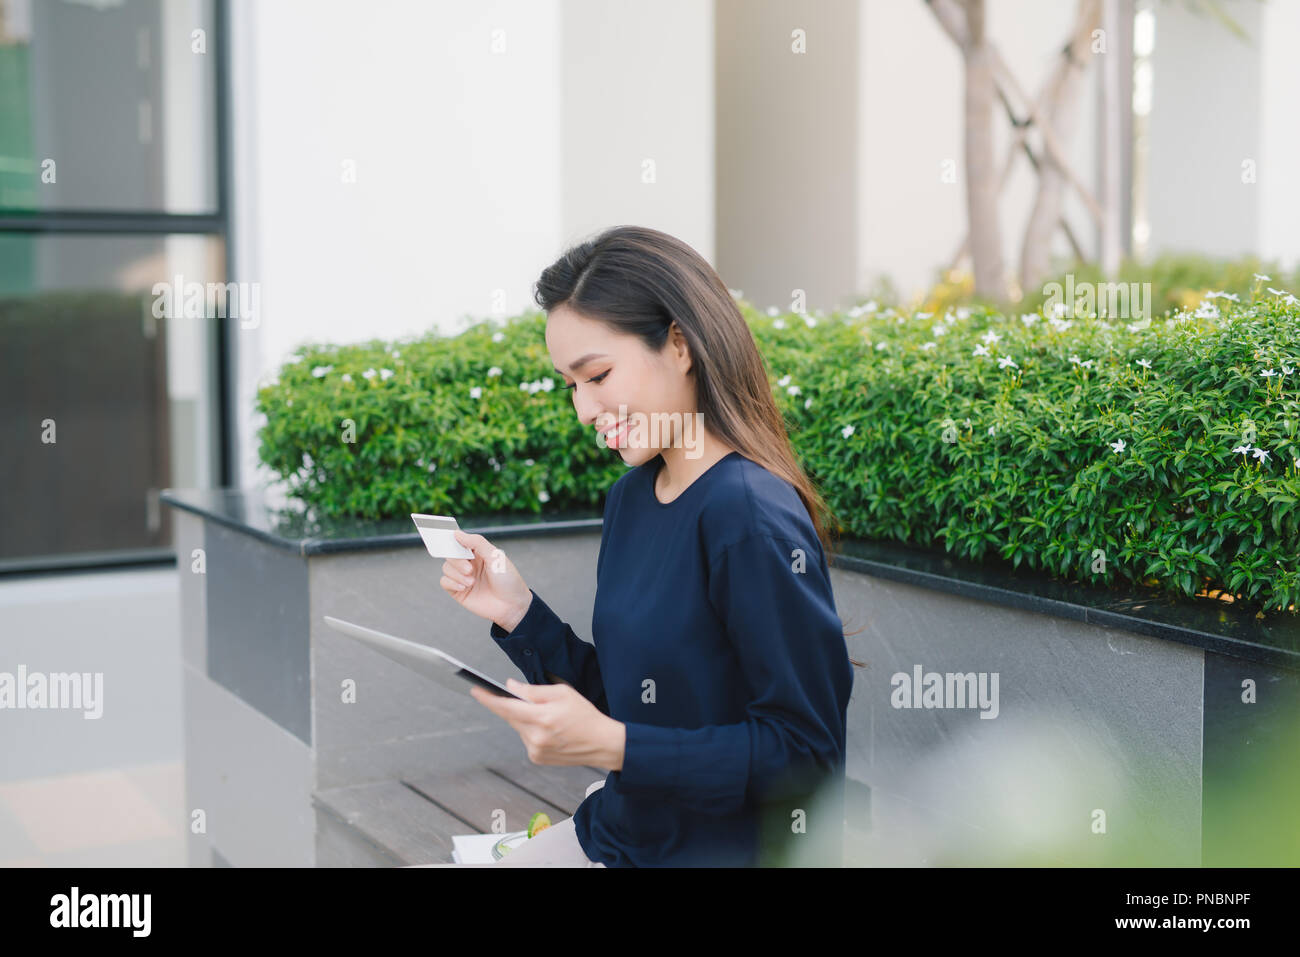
(104, 404)
(108, 106)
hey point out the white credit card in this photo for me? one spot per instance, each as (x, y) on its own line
(437, 532)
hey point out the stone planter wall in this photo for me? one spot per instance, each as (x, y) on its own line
(1101, 707)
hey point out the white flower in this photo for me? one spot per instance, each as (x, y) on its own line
(991, 336)
(963, 313)
(1243, 448)
(1007, 361)
(475, 392)
(847, 431)
(1058, 309)
(495, 370)
(370, 373)
(385, 373)
(870, 306)
(783, 381)
(1291, 300)
(773, 311)
(929, 345)
(292, 359)
(1297, 463)
(528, 462)
(923, 315)
(1286, 369)
(940, 331)
(980, 350)
(882, 345)
(525, 386)
(809, 321)
(1268, 373)
(793, 390)
(1278, 292)
(1260, 454)
(433, 467)
(1144, 363)
(397, 354)
(1118, 446)
(498, 336)
(347, 377)
(807, 403)
(1060, 325)
(1259, 278)
(1029, 318)
(548, 384)
(1222, 295)
(321, 370)
(544, 495)
(778, 324)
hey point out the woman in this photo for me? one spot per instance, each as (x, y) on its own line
(717, 687)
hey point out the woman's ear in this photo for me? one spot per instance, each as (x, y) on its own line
(681, 349)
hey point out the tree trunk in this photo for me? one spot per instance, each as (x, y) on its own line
(981, 174)
(982, 179)
(1036, 251)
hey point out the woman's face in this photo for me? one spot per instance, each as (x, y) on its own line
(622, 384)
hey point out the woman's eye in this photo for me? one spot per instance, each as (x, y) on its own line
(592, 379)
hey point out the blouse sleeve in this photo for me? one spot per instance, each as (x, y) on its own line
(543, 646)
(775, 597)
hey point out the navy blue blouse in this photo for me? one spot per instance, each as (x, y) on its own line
(718, 644)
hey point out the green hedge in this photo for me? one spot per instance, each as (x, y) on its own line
(911, 435)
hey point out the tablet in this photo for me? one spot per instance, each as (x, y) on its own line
(424, 659)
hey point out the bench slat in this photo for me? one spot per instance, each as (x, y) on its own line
(405, 824)
(473, 794)
(564, 786)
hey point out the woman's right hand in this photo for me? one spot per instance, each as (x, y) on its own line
(488, 584)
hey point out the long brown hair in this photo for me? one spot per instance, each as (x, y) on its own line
(639, 281)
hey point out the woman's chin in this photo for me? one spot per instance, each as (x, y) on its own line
(636, 456)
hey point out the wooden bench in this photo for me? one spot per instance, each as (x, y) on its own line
(396, 823)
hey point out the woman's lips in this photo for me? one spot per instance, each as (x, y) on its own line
(615, 435)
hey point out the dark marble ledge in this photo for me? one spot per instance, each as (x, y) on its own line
(285, 525)
(1204, 623)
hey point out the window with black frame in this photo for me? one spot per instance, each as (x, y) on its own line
(112, 207)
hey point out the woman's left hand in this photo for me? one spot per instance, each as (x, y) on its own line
(558, 725)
